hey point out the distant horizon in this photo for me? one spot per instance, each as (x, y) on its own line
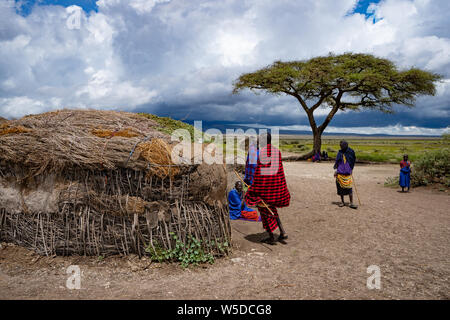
(336, 131)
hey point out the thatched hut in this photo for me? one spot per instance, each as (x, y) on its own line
(102, 182)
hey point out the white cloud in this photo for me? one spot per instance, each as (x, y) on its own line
(104, 90)
(145, 6)
(18, 106)
(185, 54)
(48, 65)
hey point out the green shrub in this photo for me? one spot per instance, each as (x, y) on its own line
(193, 252)
(432, 167)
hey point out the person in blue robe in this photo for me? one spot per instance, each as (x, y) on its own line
(405, 173)
(251, 163)
(238, 208)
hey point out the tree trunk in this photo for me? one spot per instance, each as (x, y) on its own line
(317, 138)
(317, 141)
(317, 131)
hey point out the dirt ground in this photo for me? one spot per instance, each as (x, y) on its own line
(326, 256)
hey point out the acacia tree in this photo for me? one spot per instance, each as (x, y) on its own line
(340, 82)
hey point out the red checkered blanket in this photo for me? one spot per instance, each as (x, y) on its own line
(269, 182)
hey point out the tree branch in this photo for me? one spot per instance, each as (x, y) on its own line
(328, 118)
(323, 96)
(333, 111)
(308, 111)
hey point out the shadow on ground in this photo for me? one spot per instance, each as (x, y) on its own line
(256, 237)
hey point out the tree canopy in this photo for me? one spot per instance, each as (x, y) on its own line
(347, 81)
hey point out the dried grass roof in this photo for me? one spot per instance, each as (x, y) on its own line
(87, 139)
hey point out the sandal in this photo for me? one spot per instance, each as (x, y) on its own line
(282, 237)
(353, 206)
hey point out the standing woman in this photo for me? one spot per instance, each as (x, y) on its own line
(405, 173)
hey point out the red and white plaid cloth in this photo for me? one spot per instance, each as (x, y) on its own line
(269, 182)
(269, 220)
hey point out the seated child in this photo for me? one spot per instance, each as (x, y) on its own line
(316, 157)
(237, 206)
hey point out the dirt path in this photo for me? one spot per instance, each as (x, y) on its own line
(327, 255)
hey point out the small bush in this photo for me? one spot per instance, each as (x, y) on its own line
(193, 252)
(432, 167)
(391, 181)
(429, 168)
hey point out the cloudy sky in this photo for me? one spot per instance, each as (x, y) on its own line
(179, 58)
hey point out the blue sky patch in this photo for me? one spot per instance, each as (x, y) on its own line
(25, 7)
(362, 6)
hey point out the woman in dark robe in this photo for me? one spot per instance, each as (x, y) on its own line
(345, 162)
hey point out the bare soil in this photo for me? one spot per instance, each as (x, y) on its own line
(327, 254)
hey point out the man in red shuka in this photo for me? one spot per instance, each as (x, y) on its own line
(269, 185)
